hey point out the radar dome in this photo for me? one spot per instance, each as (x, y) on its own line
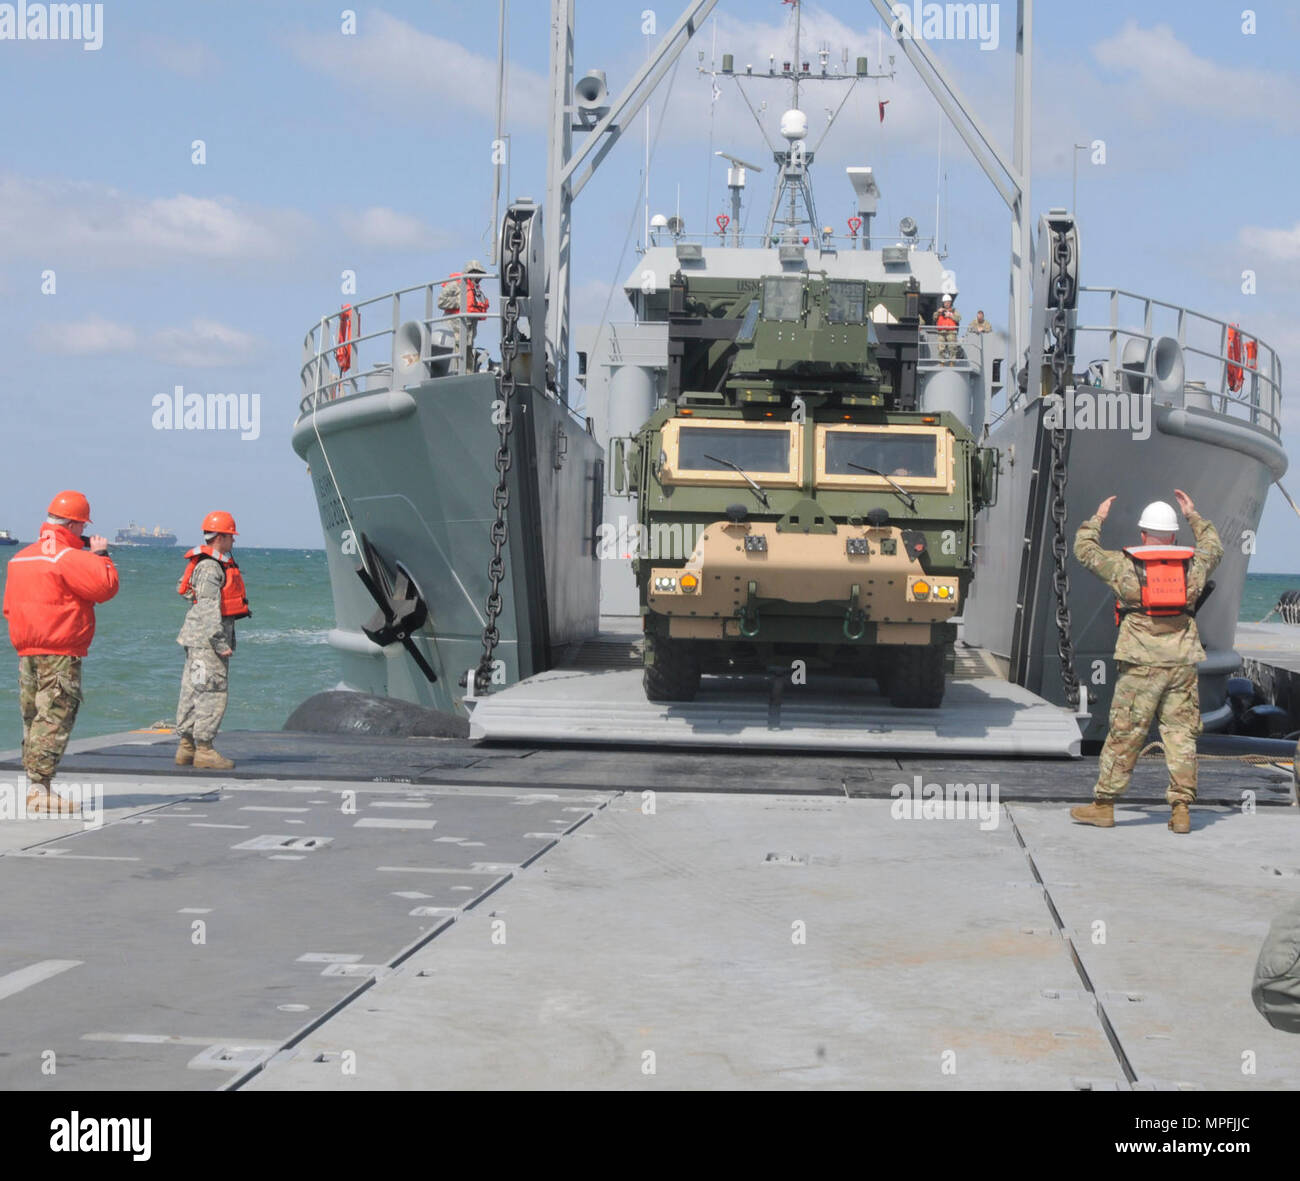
(794, 125)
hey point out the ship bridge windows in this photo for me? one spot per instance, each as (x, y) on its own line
(704, 453)
(846, 301)
(782, 297)
(919, 458)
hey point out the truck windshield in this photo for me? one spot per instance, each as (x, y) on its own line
(847, 303)
(701, 448)
(896, 455)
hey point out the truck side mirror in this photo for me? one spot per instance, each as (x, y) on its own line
(618, 468)
(987, 462)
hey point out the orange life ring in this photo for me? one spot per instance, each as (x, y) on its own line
(1234, 354)
(343, 354)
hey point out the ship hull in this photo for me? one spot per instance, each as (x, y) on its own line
(413, 471)
(1224, 464)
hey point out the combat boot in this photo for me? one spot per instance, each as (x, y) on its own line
(185, 752)
(206, 758)
(1181, 818)
(42, 800)
(1098, 814)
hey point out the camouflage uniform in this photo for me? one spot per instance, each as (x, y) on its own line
(1156, 658)
(49, 695)
(209, 642)
(948, 336)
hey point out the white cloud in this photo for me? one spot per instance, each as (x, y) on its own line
(390, 58)
(101, 226)
(205, 344)
(190, 59)
(1169, 75)
(386, 229)
(84, 338)
(1280, 245)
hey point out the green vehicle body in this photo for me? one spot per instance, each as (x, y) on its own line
(820, 568)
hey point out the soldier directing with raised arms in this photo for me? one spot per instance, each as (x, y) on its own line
(1158, 587)
(215, 588)
(51, 590)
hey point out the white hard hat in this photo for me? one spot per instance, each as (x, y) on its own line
(1158, 517)
(947, 299)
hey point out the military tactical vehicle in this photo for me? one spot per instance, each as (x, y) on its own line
(798, 501)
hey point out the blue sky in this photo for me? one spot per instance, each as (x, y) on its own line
(371, 152)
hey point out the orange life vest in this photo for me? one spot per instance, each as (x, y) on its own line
(1162, 575)
(944, 320)
(234, 597)
(476, 301)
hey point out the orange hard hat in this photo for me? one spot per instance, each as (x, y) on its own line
(219, 522)
(71, 506)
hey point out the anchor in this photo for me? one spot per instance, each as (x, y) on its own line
(402, 609)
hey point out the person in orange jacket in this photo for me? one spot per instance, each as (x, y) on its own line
(51, 590)
(462, 295)
(214, 587)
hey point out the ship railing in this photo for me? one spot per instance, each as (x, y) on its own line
(965, 351)
(413, 336)
(1116, 345)
(771, 241)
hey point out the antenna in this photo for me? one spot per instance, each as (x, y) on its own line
(794, 156)
(494, 227)
(736, 183)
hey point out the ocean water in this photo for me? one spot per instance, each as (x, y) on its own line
(132, 676)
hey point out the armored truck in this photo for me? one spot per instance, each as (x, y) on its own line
(801, 508)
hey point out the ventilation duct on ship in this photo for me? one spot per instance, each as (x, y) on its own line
(1168, 370)
(1133, 366)
(410, 353)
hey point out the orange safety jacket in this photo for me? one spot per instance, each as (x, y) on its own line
(1162, 575)
(943, 320)
(477, 301)
(234, 596)
(51, 588)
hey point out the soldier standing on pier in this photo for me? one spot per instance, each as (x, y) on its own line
(215, 588)
(1158, 586)
(51, 590)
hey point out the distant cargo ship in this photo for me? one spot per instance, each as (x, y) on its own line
(7, 538)
(135, 534)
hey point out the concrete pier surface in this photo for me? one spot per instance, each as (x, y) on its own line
(651, 920)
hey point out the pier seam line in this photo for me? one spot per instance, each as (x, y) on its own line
(401, 957)
(1108, 1029)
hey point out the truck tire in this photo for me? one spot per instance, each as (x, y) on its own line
(916, 679)
(675, 674)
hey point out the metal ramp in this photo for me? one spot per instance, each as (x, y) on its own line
(983, 716)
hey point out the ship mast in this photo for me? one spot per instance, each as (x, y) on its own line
(793, 183)
(588, 108)
(1010, 177)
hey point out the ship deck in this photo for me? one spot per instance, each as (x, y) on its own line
(357, 913)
